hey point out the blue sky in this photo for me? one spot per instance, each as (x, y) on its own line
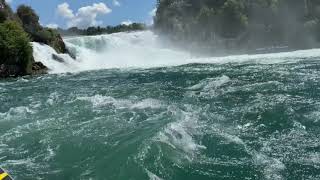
(65, 13)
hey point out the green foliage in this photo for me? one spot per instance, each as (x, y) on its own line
(50, 37)
(46, 35)
(15, 48)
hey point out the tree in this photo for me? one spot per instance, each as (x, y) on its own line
(241, 23)
(15, 48)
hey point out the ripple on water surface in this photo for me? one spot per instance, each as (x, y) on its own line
(223, 121)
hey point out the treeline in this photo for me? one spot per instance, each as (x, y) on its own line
(240, 25)
(102, 30)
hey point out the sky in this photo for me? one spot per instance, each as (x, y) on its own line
(85, 13)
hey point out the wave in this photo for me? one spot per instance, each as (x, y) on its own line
(99, 101)
(140, 50)
(14, 112)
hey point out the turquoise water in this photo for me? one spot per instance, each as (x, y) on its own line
(197, 121)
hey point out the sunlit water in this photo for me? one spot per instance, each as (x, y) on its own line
(244, 117)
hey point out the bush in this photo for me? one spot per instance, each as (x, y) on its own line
(50, 37)
(15, 48)
(43, 36)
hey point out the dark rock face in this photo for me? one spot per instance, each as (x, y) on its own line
(9, 71)
(59, 45)
(15, 71)
(39, 68)
(57, 58)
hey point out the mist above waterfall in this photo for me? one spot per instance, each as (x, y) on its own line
(139, 50)
(124, 50)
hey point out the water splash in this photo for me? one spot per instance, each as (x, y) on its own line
(140, 50)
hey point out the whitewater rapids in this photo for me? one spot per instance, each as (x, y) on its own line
(136, 109)
(140, 50)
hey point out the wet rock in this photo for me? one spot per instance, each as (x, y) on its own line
(10, 71)
(39, 68)
(57, 58)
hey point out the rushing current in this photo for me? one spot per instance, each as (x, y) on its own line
(130, 107)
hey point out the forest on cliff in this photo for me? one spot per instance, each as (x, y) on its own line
(240, 25)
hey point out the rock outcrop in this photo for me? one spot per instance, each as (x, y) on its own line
(30, 23)
(17, 30)
(39, 68)
(9, 71)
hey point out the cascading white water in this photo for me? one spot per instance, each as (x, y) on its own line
(139, 50)
(44, 53)
(122, 50)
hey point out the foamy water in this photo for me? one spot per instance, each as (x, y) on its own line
(237, 117)
(142, 50)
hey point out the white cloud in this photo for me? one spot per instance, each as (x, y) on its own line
(64, 11)
(52, 25)
(85, 16)
(127, 23)
(8, 1)
(116, 3)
